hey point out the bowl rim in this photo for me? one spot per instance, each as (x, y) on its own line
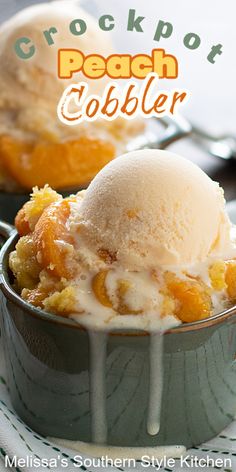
(11, 295)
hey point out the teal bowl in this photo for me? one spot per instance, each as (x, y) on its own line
(49, 374)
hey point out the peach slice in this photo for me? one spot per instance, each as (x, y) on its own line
(21, 222)
(49, 231)
(99, 288)
(35, 297)
(31, 211)
(61, 165)
(192, 297)
(230, 279)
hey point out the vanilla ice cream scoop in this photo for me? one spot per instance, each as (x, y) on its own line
(152, 207)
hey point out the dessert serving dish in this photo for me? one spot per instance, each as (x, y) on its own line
(35, 147)
(49, 371)
(118, 307)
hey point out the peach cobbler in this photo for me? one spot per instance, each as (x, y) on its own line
(149, 240)
(35, 148)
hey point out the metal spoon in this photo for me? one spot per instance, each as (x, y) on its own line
(175, 129)
(223, 146)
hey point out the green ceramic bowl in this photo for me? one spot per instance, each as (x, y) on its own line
(49, 371)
